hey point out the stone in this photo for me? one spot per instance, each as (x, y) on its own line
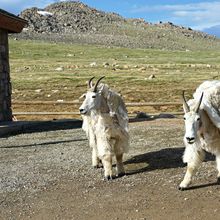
(105, 64)
(152, 76)
(5, 86)
(38, 90)
(61, 68)
(2, 49)
(142, 115)
(93, 64)
(164, 115)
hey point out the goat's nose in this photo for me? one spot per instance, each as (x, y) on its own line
(81, 110)
(190, 139)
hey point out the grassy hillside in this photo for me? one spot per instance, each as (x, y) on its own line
(35, 75)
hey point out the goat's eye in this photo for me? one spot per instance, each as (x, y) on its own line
(184, 118)
(198, 119)
(93, 96)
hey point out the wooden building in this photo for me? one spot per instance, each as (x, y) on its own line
(9, 23)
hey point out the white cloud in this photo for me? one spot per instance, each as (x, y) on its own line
(179, 7)
(181, 13)
(16, 6)
(197, 15)
(10, 1)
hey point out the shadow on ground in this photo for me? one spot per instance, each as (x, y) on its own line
(158, 160)
(203, 186)
(21, 127)
(51, 143)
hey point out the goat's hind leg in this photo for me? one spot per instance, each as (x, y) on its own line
(218, 167)
(119, 165)
(107, 164)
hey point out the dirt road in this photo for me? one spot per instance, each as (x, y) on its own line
(48, 175)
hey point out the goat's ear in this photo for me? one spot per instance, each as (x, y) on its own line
(82, 96)
(184, 109)
(104, 90)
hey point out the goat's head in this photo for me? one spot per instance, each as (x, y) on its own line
(92, 99)
(192, 120)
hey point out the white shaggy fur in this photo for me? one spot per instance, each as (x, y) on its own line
(202, 128)
(105, 122)
(211, 99)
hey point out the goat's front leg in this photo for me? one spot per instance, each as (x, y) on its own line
(119, 165)
(218, 167)
(191, 168)
(107, 164)
(193, 158)
(95, 159)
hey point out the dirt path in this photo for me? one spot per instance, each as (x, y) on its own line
(48, 175)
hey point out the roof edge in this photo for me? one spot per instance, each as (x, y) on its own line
(11, 22)
(10, 15)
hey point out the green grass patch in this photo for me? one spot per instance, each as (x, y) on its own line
(35, 76)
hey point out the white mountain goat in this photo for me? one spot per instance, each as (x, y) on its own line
(105, 121)
(202, 128)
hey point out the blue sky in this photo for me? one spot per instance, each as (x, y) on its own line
(197, 14)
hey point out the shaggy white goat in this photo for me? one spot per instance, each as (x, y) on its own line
(202, 128)
(105, 122)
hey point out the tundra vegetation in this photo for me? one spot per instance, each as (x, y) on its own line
(58, 71)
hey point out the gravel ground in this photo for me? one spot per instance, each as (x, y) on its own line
(48, 175)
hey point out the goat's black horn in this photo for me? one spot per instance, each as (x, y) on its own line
(90, 82)
(186, 106)
(199, 103)
(97, 83)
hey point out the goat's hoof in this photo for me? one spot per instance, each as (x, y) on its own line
(121, 174)
(182, 188)
(218, 180)
(108, 178)
(96, 167)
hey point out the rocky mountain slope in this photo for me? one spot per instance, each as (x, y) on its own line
(68, 17)
(76, 22)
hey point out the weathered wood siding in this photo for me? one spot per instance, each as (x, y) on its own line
(5, 84)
